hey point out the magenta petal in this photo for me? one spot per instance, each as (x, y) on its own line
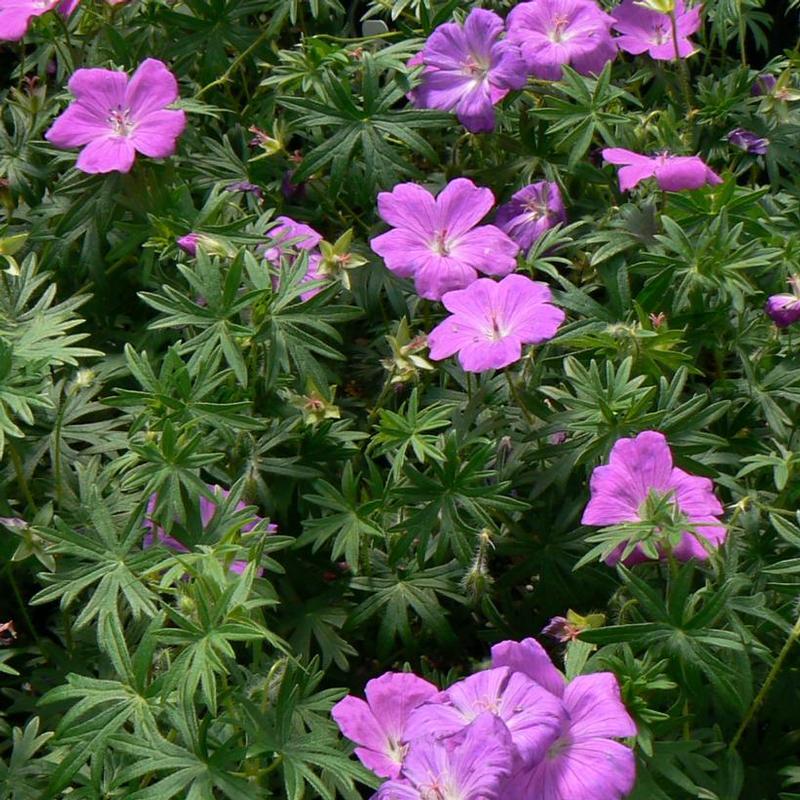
(483, 356)
(99, 90)
(488, 249)
(107, 154)
(439, 275)
(357, 722)
(481, 30)
(403, 251)
(155, 134)
(151, 88)
(460, 206)
(15, 18)
(409, 206)
(531, 659)
(681, 172)
(595, 707)
(77, 126)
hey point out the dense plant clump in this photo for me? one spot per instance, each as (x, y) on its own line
(399, 398)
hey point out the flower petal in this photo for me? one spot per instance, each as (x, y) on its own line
(151, 88)
(460, 206)
(156, 134)
(107, 154)
(595, 707)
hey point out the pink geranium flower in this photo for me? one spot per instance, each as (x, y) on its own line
(531, 212)
(286, 240)
(645, 30)
(113, 118)
(16, 15)
(436, 241)
(469, 70)
(552, 33)
(157, 535)
(491, 321)
(672, 173)
(639, 474)
(378, 725)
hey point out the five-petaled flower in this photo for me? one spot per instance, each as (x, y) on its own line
(113, 118)
(533, 210)
(645, 30)
(672, 173)
(436, 241)
(552, 33)
(639, 475)
(469, 70)
(492, 320)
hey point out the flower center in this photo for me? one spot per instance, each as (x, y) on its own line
(475, 68)
(558, 747)
(661, 33)
(440, 245)
(488, 704)
(120, 121)
(432, 791)
(495, 333)
(560, 23)
(536, 209)
(396, 750)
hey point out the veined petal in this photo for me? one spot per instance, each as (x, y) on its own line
(595, 707)
(151, 88)
(107, 154)
(77, 126)
(409, 206)
(460, 206)
(156, 134)
(487, 249)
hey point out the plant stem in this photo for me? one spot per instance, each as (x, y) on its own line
(514, 389)
(683, 70)
(758, 701)
(22, 605)
(235, 63)
(19, 470)
(742, 32)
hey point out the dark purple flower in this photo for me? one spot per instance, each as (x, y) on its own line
(530, 212)
(764, 84)
(552, 33)
(672, 173)
(245, 186)
(562, 629)
(748, 141)
(436, 241)
(294, 192)
(645, 30)
(784, 309)
(378, 725)
(640, 470)
(469, 70)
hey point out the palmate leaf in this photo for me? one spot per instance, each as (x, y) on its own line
(106, 563)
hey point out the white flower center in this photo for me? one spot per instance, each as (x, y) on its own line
(476, 68)
(495, 332)
(440, 245)
(560, 23)
(120, 121)
(661, 33)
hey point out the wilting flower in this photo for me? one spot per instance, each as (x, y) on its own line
(113, 118)
(784, 309)
(585, 761)
(567, 629)
(213, 245)
(640, 483)
(492, 320)
(532, 715)
(157, 535)
(551, 33)
(475, 768)
(469, 70)
(285, 242)
(672, 173)
(436, 241)
(531, 211)
(748, 141)
(378, 726)
(647, 30)
(16, 15)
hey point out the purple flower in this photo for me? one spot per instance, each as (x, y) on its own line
(289, 237)
(476, 768)
(764, 84)
(672, 173)
(784, 309)
(469, 70)
(188, 243)
(530, 212)
(529, 658)
(640, 471)
(491, 321)
(551, 33)
(436, 241)
(290, 190)
(585, 761)
(532, 715)
(16, 15)
(246, 187)
(157, 535)
(113, 118)
(643, 30)
(748, 141)
(378, 726)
